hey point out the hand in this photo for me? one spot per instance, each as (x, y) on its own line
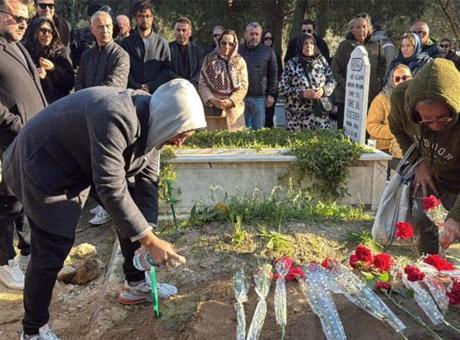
(162, 252)
(145, 87)
(215, 102)
(318, 93)
(41, 73)
(309, 94)
(269, 101)
(46, 64)
(451, 233)
(423, 179)
(226, 104)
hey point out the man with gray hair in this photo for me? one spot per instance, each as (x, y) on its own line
(106, 63)
(429, 45)
(124, 26)
(263, 76)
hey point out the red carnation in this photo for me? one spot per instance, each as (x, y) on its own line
(430, 202)
(294, 273)
(327, 263)
(439, 262)
(383, 262)
(364, 254)
(404, 230)
(354, 261)
(383, 285)
(454, 294)
(414, 273)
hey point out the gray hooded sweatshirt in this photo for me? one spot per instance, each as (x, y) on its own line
(98, 136)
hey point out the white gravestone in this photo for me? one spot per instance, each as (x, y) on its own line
(356, 95)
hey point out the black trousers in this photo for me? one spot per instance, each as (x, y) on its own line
(49, 252)
(339, 116)
(12, 217)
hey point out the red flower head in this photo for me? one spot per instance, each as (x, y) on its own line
(414, 273)
(454, 294)
(364, 254)
(430, 202)
(383, 285)
(294, 273)
(383, 262)
(326, 264)
(354, 261)
(439, 262)
(404, 230)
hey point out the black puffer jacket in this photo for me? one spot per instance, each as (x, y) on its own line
(262, 69)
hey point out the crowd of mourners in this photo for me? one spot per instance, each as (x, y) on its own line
(170, 90)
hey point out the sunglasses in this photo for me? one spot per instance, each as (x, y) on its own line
(362, 15)
(444, 46)
(268, 38)
(43, 6)
(16, 18)
(225, 43)
(403, 78)
(418, 32)
(44, 30)
(307, 31)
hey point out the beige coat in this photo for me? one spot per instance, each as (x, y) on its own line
(234, 117)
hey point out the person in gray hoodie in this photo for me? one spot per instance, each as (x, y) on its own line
(96, 137)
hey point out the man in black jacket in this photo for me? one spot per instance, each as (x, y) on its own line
(262, 73)
(149, 52)
(429, 45)
(47, 8)
(186, 56)
(308, 27)
(21, 97)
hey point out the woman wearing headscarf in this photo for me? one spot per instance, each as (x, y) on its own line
(48, 53)
(307, 82)
(359, 34)
(223, 85)
(377, 118)
(410, 53)
(268, 41)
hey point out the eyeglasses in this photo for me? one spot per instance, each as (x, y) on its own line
(307, 31)
(403, 78)
(268, 38)
(227, 43)
(45, 30)
(442, 120)
(43, 6)
(419, 32)
(444, 45)
(16, 18)
(216, 35)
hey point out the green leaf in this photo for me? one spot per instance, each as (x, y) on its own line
(368, 276)
(384, 277)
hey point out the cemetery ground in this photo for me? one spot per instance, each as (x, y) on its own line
(204, 308)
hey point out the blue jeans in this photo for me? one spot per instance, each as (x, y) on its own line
(254, 112)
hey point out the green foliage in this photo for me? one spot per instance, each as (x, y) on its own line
(276, 241)
(239, 235)
(366, 239)
(324, 156)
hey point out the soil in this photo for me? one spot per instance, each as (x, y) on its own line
(204, 307)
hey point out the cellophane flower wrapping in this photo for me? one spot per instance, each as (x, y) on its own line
(262, 278)
(241, 288)
(317, 291)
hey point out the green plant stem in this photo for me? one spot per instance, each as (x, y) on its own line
(451, 326)
(415, 317)
(171, 201)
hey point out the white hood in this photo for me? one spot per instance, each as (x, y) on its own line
(175, 107)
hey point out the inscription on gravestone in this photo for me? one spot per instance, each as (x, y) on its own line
(356, 95)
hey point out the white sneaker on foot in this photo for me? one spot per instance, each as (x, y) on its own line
(12, 276)
(45, 333)
(131, 295)
(96, 210)
(101, 217)
(23, 261)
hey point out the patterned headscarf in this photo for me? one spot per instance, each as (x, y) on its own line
(221, 72)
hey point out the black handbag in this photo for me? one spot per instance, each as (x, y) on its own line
(213, 112)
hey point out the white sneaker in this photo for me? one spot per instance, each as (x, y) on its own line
(141, 293)
(23, 261)
(12, 276)
(96, 210)
(45, 333)
(101, 217)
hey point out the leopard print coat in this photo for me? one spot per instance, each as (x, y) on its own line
(300, 111)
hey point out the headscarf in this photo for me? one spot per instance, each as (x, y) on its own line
(221, 72)
(304, 60)
(390, 85)
(417, 50)
(175, 107)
